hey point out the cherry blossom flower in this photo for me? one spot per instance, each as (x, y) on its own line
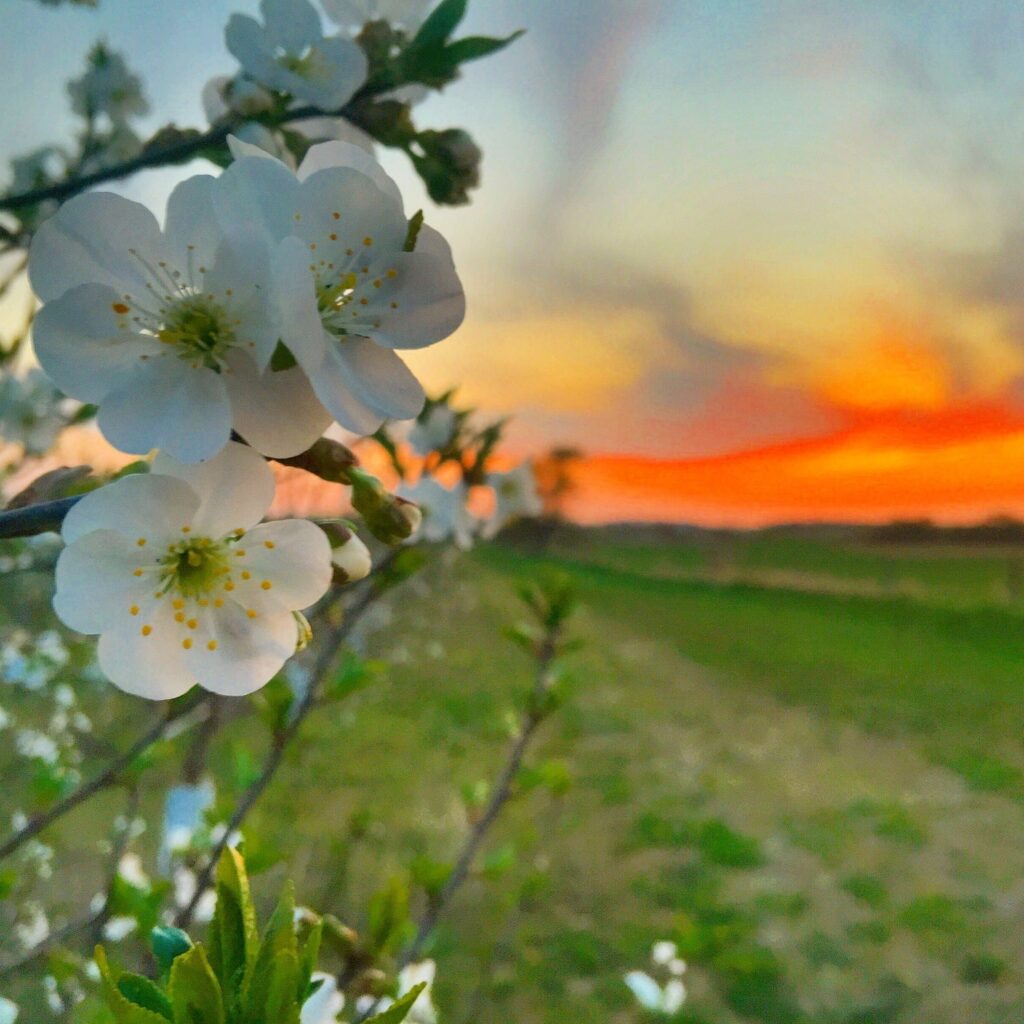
(166, 331)
(515, 494)
(289, 53)
(348, 293)
(173, 571)
(108, 87)
(667, 1000)
(444, 511)
(434, 431)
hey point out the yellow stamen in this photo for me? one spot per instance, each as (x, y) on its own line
(146, 630)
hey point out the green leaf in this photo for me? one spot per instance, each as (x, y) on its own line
(168, 943)
(388, 916)
(282, 1004)
(415, 223)
(143, 992)
(195, 993)
(279, 937)
(440, 24)
(233, 936)
(475, 47)
(307, 960)
(399, 1009)
(124, 1011)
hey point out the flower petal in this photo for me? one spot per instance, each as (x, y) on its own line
(171, 405)
(246, 653)
(82, 344)
(88, 241)
(294, 555)
(149, 665)
(292, 25)
(429, 298)
(295, 298)
(140, 506)
(278, 413)
(95, 581)
(365, 212)
(234, 488)
(246, 41)
(336, 390)
(260, 191)
(379, 377)
(190, 228)
(347, 154)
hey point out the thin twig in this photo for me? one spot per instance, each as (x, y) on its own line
(503, 788)
(105, 779)
(283, 737)
(46, 517)
(532, 718)
(193, 145)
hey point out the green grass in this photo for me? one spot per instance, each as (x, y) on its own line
(893, 666)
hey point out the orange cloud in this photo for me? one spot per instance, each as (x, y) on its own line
(898, 368)
(959, 463)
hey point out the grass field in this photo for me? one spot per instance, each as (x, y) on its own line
(816, 793)
(800, 759)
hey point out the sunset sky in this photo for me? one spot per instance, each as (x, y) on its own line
(760, 260)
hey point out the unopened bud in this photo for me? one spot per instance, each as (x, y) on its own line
(412, 512)
(387, 517)
(352, 558)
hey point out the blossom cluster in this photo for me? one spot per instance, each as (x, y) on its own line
(270, 303)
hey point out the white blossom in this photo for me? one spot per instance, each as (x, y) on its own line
(8, 1011)
(664, 999)
(324, 1005)
(289, 53)
(167, 331)
(33, 926)
(348, 294)
(353, 14)
(107, 87)
(445, 515)
(434, 431)
(183, 586)
(119, 927)
(515, 496)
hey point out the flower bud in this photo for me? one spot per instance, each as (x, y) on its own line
(387, 517)
(450, 164)
(412, 512)
(351, 559)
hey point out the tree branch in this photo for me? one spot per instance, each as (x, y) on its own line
(355, 111)
(105, 779)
